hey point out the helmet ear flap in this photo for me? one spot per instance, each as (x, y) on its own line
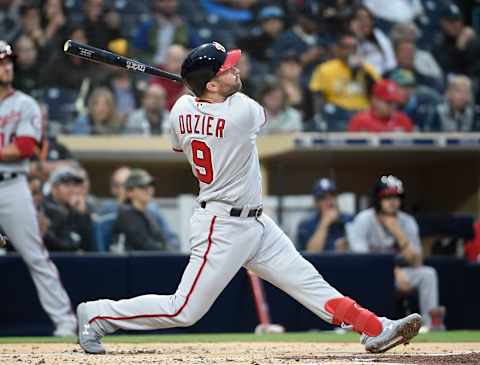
(197, 81)
(201, 65)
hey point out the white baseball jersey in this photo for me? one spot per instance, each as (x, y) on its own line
(19, 116)
(219, 141)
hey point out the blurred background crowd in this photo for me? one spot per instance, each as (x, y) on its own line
(315, 65)
(330, 65)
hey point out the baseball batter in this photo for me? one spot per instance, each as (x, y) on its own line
(217, 131)
(20, 131)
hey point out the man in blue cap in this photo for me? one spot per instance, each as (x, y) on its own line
(325, 229)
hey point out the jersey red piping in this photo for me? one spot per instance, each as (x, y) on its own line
(177, 149)
(197, 277)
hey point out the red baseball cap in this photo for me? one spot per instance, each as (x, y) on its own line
(387, 90)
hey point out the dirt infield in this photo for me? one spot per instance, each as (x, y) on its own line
(240, 353)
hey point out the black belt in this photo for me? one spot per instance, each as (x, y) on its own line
(237, 212)
(8, 176)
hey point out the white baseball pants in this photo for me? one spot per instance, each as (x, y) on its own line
(18, 219)
(220, 246)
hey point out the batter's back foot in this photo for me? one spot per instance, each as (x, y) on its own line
(88, 337)
(394, 333)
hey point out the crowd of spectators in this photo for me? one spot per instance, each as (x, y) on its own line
(71, 219)
(313, 64)
(383, 228)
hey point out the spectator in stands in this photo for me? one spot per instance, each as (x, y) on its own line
(9, 20)
(383, 115)
(341, 86)
(288, 74)
(410, 57)
(102, 25)
(259, 43)
(303, 39)
(31, 23)
(395, 11)
(83, 189)
(54, 22)
(122, 84)
(458, 50)
(385, 228)
(27, 75)
(135, 228)
(151, 118)
(67, 72)
(418, 102)
(335, 15)
(374, 46)
(281, 117)
(175, 56)
(117, 185)
(249, 86)
(163, 29)
(70, 226)
(117, 188)
(324, 230)
(457, 113)
(101, 118)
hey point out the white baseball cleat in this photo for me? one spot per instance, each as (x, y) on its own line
(394, 333)
(88, 338)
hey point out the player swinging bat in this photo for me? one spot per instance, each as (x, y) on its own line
(216, 129)
(102, 56)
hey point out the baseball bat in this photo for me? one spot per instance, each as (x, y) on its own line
(95, 54)
(261, 303)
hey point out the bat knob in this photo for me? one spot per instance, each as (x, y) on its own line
(66, 45)
(3, 240)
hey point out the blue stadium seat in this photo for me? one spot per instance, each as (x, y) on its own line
(61, 104)
(103, 231)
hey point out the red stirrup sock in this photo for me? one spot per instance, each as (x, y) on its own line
(346, 310)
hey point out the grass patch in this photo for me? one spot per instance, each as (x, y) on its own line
(325, 336)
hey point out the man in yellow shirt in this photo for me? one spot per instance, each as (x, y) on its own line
(341, 86)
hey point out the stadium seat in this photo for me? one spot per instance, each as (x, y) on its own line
(61, 104)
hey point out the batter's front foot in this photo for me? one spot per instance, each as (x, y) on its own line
(88, 338)
(394, 333)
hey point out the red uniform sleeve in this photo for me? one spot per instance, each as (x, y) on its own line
(26, 146)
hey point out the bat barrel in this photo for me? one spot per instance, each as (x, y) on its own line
(102, 56)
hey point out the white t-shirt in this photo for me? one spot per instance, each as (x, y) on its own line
(219, 142)
(19, 117)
